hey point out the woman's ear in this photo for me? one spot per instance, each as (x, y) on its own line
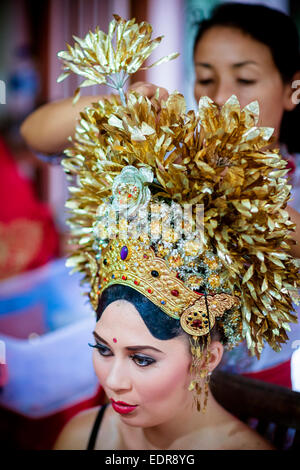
(292, 92)
(216, 353)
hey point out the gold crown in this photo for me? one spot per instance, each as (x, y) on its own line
(130, 263)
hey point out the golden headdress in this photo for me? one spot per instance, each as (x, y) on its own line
(143, 170)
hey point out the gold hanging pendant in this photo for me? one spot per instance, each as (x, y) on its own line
(200, 371)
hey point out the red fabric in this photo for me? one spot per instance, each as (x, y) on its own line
(27, 232)
(278, 375)
(22, 433)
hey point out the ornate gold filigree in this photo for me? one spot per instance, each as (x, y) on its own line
(150, 275)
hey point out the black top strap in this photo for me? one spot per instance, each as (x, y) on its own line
(93, 436)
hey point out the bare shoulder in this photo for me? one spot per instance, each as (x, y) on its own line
(242, 437)
(75, 434)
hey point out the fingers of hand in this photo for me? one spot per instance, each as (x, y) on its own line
(149, 90)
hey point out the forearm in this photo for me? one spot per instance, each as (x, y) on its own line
(47, 129)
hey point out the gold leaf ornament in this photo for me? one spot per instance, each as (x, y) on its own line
(110, 58)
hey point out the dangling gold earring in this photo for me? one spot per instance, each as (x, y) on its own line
(206, 388)
(200, 371)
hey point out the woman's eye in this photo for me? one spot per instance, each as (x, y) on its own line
(142, 361)
(245, 81)
(206, 81)
(103, 350)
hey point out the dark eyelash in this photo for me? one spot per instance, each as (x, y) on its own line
(205, 82)
(240, 80)
(100, 348)
(135, 357)
(148, 360)
(246, 82)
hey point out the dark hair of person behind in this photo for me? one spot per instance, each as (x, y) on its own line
(274, 29)
(160, 325)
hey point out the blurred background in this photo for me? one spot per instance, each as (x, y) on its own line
(44, 317)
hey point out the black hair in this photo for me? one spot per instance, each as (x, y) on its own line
(160, 325)
(274, 29)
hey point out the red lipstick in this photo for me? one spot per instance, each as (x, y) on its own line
(122, 407)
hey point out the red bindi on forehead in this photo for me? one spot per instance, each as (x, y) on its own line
(114, 340)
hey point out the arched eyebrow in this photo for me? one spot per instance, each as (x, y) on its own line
(245, 62)
(237, 65)
(129, 348)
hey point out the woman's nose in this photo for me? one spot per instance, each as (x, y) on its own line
(222, 92)
(118, 378)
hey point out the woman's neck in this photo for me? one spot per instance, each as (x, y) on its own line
(178, 432)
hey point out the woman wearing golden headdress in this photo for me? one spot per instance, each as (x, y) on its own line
(180, 228)
(237, 51)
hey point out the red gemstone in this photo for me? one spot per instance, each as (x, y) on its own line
(136, 283)
(124, 278)
(197, 323)
(150, 291)
(175, 292)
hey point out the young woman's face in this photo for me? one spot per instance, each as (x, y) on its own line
(228, 62)
(136, 368)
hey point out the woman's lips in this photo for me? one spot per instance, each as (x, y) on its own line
(122, 407)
